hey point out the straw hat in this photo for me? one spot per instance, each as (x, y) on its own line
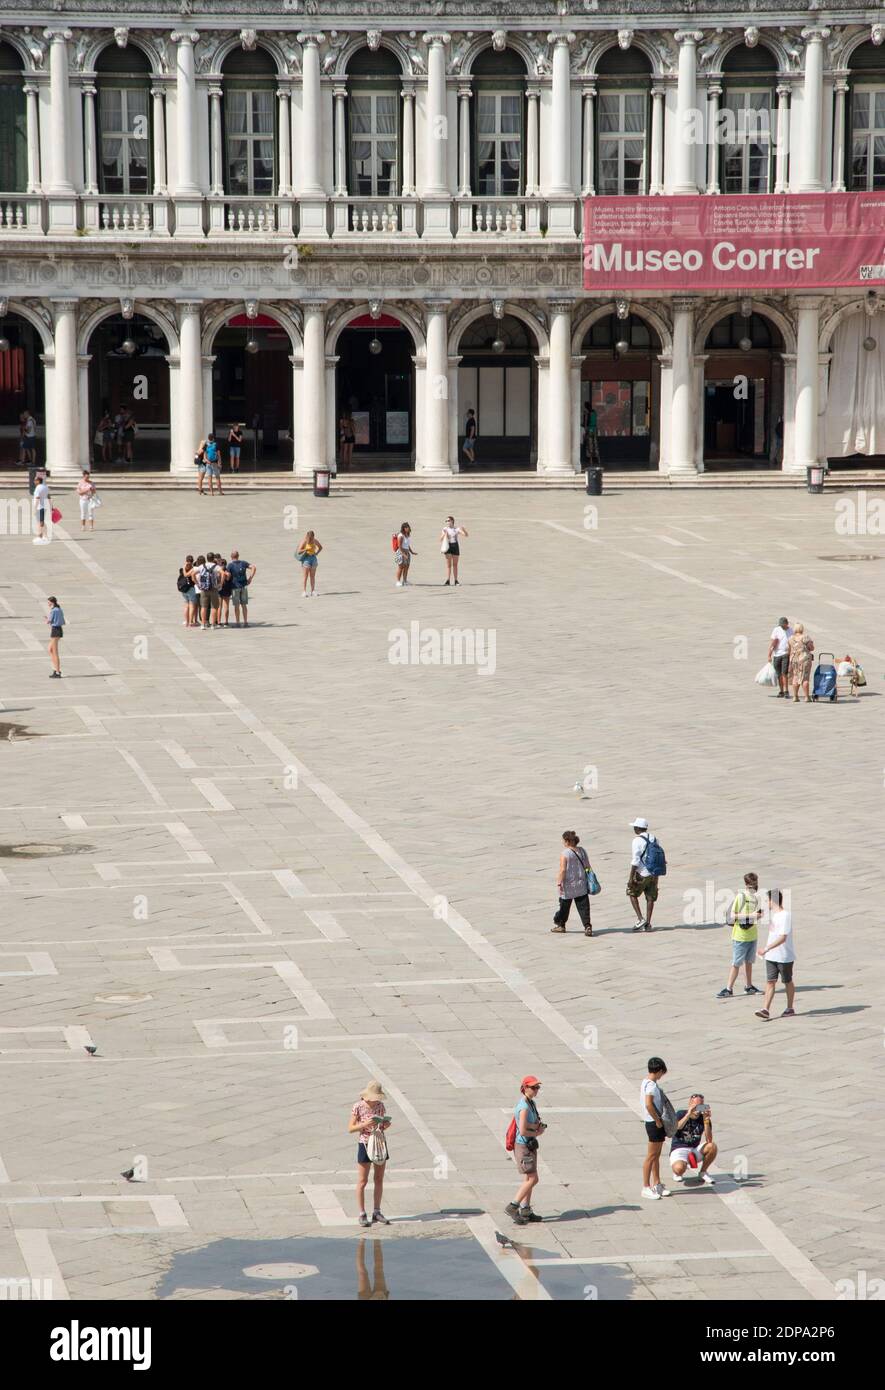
(372, 1092)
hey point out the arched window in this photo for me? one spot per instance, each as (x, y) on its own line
(374, 138)
(124, 120)
(499, 124)
(867, 123)
(249, 127)
(747, 119)
(624, 83)
(13, 123)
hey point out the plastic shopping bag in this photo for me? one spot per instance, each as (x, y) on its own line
(767, 676)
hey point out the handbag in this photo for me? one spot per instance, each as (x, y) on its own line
(376, 1149)
(593, 884)
(767, 676)
(444, 548)
(56, 515)
(668, 1116)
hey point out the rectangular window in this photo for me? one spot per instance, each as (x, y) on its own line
(745, 129)
(124, 123)
(499, 144)
(13, 138)
(249, 132)
(867, 139)
(622, 143)
(374, 145)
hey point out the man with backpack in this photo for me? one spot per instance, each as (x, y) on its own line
(207, 578)
(522, 1142)
(212, 455)
(648, 863)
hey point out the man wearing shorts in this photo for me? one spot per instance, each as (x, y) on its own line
(207, 578)
(242, 574)
(779, 654)
(780, 955)
(213, 464)
(525, 1151)
(692, 1149)
(42, 506)
(743, 915)
(640, 882)
(235, 444)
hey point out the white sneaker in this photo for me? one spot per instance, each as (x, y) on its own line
(663, 1191)
(305, 594)
(651, 1194)
(676, 1177)
(705, 1178)
(399, 583)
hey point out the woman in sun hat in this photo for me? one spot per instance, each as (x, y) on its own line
(528, 1128)
(368, 1118)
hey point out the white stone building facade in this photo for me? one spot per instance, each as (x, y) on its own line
(325, 214)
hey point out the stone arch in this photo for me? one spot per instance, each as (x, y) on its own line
(778, 51)
(388, 41)
(136, 40)
(722, 310)
(14, 40)
(159, 317)
(839, 315)
(639, 41)
(284, 316)
(336, 326)
(232, 41)
(35, 318)
(483, 309)
(850, 45)
(514, 41)
(602, 310)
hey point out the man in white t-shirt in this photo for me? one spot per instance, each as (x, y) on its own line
(779, 654)
(42, 505)
(779, 954)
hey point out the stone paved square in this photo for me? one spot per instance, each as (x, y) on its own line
(269, 865)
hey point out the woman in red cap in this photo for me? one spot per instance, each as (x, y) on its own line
(525, 1150)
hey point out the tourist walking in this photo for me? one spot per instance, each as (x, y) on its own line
(368, 1119)
(188, 590)
(56, 620)
(242, 574)
(449, 545)
(692, 1148)
(779, 654)
(88, 498)
(654, 1103)
(308, 553)
(800, 652)
(645, 869)
(528, 1128)
(469, 446)
(402, 553)
(212, 454)
(743, 915)
(346, 438)
(235, 444)
(780, 956)
(572, 884)
(42, 509)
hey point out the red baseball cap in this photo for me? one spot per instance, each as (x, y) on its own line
(530, 1081)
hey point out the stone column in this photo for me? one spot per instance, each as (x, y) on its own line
(532, 144)
(311, 182)
(408, 141)
(558, 453)
(90, 140)
(560, 117)
(160, 176)
(714, 92)
(33, 117)
(59, 112)
(185, 115)
(686, 103)
(216, 169)
(311, 452)
(782, 149)
(436, 118)
(207, 364)
(589, 123)
(339, 93)
(812, 112)
(656, 183)
(841, 87)
(684, 405)
(189, 429)
(464, 94)
(284, 125)
(433, 457)
(805, 438)
(63, 409)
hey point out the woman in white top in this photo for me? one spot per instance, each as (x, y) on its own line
(86, 494)
(450, 548)
(403, 554)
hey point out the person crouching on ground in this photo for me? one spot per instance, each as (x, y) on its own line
(692, 1149)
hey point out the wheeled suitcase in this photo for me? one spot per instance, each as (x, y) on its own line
(824, 685)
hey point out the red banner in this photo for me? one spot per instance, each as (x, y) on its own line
(798, 241)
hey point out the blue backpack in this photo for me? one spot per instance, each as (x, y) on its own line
(654, 858)
(212, 451)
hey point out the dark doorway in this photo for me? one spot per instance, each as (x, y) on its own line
(743, 393)
(128, 370)
(620, 393)
(252, 386)
(21, 385)
(376, 386)
(498, 380)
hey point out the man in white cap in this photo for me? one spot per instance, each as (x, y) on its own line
(640, 882)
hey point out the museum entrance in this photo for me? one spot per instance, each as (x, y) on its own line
(128, 394)
(252, 388)
(743, 393)
(375, 389)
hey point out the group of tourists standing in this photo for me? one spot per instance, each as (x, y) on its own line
(209, 585)
(449, 544)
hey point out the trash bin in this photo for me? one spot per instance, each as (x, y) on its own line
(322, 477)
(814, 476)
(594, 482)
